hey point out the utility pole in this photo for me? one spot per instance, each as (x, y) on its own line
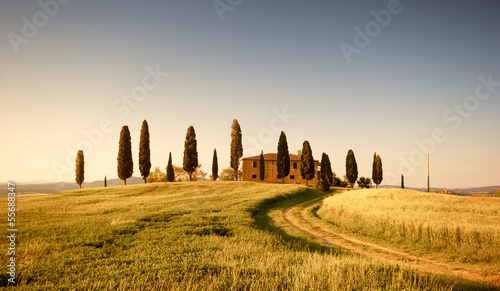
(428, 179)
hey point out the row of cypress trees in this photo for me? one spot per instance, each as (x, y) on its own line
(307, 169)
(125, 167)
(125, 164)
(352, 169)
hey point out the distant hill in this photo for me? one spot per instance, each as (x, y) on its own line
(47, 187)
(458, 191)
(488, 189)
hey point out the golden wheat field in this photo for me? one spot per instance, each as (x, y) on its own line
(188, 236)
(453, 228)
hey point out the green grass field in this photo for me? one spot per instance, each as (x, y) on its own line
(187, 236)
(453, 228)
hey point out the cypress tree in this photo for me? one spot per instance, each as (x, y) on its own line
(262, 166)
(402, 182)
(105, 182)
(170, 169)
(215, 166)
(236, 147)
(144, 152)
(79, 168)
(377, 173)
(351, 168)
(326, 169)
(283, 158)
(190, 161)
(307, 162)
(125, 163)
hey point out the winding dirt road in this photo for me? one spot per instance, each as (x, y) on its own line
(298, 217)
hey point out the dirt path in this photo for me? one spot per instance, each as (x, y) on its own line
(297, 216)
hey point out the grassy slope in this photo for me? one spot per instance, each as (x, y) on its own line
(182, 236)
(463, 229)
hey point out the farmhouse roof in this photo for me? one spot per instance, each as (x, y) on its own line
(273, 157)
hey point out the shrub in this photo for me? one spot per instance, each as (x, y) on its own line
(322, 185)
(365, 183)
(337, 182)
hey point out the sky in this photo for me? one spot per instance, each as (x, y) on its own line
(400, 78)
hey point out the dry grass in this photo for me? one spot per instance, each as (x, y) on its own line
(182, 236)
(464, 229)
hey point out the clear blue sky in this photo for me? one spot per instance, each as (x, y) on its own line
(410, 80)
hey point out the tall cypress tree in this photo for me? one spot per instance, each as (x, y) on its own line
(125, 163)
(144, 151)
(236, 147)
(190, 161)
(262, 166)
(105, 181)
(377, 174)
(283, 158)
(80, 168)
(380, 171)
(402, 182)
(307, 170)
(170, 169)
(351, 168)
(326, 169)
(215, 166)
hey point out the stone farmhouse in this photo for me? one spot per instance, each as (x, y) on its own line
(251, 169)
